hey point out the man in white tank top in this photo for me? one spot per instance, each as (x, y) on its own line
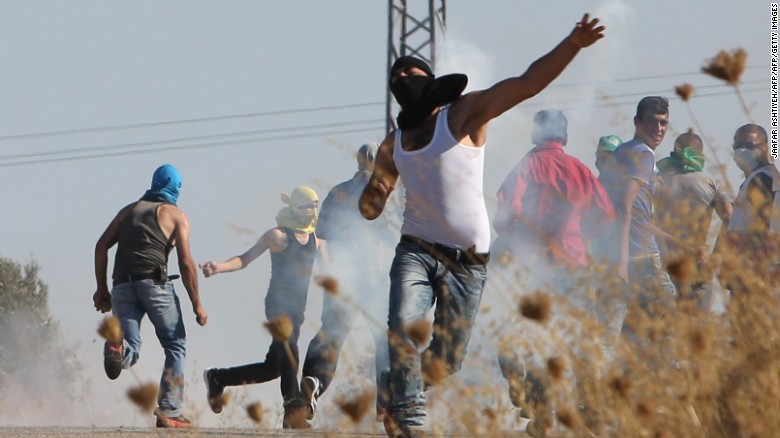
(438, 151)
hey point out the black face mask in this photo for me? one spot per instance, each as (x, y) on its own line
(420, 95)
(409, 90)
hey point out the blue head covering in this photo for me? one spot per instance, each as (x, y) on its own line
(166, 183)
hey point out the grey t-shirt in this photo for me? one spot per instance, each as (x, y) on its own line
(685, 202)
(635, 160)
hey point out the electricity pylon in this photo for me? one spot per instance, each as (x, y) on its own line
(411, 32)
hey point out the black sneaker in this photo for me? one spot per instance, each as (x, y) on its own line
(180, 422)
(213, 390)
(296, 411)
(310, 386)
(112, 359)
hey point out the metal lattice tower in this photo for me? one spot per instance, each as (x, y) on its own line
(411, 32)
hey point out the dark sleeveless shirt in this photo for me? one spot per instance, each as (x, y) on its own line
(141, 243)
(290, 274)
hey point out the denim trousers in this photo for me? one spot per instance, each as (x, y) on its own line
(338, 314)
(278, 363)
(130, 302)
(651, 285)
(419, 280)
(652, 296)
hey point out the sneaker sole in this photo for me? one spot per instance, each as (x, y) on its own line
(112, 362)
(170, 423)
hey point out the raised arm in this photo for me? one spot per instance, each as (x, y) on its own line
(382, 182)
(485, 105)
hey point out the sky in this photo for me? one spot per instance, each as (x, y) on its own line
(253, 98)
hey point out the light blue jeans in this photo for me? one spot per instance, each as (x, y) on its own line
(417, 282)
(130, 302)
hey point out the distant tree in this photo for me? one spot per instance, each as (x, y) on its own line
(33, 355)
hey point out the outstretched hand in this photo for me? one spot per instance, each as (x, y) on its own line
(209, 269)
(586, 33)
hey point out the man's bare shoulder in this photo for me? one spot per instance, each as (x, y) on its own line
(275, 239)
(275, 234)
(124, 210)
(172, 212)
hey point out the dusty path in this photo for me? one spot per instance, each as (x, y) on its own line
(87, 432)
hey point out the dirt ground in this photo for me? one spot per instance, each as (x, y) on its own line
(87, 432)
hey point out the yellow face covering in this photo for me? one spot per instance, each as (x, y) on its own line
(299, 214)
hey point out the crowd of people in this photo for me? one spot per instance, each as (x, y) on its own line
(577, 232)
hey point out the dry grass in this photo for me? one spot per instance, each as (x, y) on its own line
(144, 395)
(281, 328)
(255, 412)
(111, 330)
(356, 408)
(685, 91)
(683, 373)
(727, 66)
(330, 284)
(536, 306)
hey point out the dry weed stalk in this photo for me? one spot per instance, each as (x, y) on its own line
(434, 370)
(144, 396)
(330, 284)
(685, 91)
(729, 67)
(255, 412)
(111, 330)
(357, 407)
(536, 306)
(419, 331)
(281, 329)
(556, 366)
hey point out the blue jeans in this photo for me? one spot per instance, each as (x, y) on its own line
(651, 285)
(337, 319)
(418, 280)
(652, 295)
(130, 302)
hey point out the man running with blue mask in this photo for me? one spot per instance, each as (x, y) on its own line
(145, 232)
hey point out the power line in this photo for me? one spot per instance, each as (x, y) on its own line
(293, 111)
(643, 93)
(183, 121)
(191, 138)
(606, 104)
(282, 137)
(191, 146)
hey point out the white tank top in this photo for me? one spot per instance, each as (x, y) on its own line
(445, 202)
(743, 215)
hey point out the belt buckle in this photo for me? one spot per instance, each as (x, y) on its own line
(457, 254)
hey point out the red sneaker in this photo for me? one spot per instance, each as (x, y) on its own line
(180, 422)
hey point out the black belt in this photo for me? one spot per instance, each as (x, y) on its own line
(455, 255)
(138, 276)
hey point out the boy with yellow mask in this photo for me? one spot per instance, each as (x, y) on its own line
(293, 247)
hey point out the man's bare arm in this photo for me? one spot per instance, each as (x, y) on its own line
(623, 212)
(102, 298)
(382, 182)
(189, 273)
(488, 104)
(274, 239)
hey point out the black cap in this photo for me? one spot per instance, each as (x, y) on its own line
(411, 61)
